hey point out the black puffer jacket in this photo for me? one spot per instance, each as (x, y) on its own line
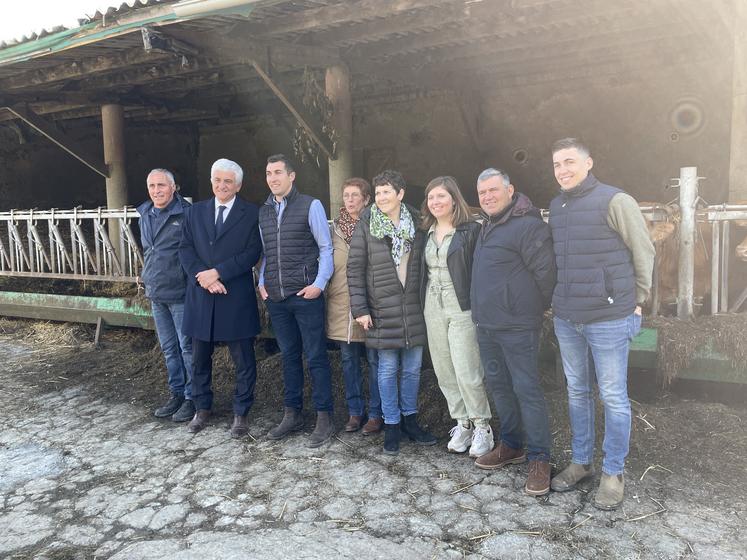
(458, 260)
(513, 273)
(375, 288)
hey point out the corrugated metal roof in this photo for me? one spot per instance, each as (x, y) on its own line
(110, 12)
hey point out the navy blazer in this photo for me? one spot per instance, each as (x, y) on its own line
(233, 253)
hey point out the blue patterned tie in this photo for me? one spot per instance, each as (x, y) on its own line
(219, 220)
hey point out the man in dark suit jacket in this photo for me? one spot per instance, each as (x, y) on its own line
(220, 245)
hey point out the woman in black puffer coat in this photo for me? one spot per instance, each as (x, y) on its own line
(383, 280)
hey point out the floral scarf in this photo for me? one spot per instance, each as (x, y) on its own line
(402, 236)
(347, 224)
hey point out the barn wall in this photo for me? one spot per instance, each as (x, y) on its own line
(38, 174)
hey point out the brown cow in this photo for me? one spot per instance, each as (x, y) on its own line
(665, 235)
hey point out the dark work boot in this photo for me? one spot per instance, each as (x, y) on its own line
(292, 422)
(185, 412)
(417, 434)
(170, 407)
(322, 431)
(240, 426)
(199, 422)
(391, 439)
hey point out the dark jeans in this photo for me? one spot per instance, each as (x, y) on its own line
(298, 324)
(509, 359)
(242, 354)
(351, 354)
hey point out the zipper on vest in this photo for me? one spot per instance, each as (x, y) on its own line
(280, 268)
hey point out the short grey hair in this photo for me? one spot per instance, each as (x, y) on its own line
(169, 174)
(492, 172)
(224, 164)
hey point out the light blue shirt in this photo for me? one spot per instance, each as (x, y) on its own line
(320, 230)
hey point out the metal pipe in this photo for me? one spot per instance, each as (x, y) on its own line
(715, 262)
(686, 270)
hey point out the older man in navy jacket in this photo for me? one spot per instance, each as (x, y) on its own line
(165, 285)
(220, 245)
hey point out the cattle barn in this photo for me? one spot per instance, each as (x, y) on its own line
(428, 87)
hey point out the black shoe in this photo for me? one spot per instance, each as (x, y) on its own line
(391, 439)
(170, 407)
(417, 434)
(185, 412)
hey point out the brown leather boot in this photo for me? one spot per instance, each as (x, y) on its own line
(240, 426)
(199, 421)
(538, 481)
(501, 456)
(354, 424)
(292, 422)
(323, 430)
(570, 476)
(373, 426)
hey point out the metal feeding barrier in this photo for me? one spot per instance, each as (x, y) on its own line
(70, 244)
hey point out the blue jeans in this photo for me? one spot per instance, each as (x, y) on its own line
(298, 324)
(176, 348)
(509, 359)
(608, 342)
(399, 399)
(351, 354)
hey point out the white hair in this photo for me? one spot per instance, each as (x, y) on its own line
(224, 164)
(169, 174)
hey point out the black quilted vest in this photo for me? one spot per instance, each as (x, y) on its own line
(291, 252)
(596, 278)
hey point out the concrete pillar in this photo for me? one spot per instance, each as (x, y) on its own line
(337, 88)
(738, 159)
(112, 123)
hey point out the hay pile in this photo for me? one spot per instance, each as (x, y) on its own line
(678, 341)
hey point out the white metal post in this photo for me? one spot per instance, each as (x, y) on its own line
(686, 270)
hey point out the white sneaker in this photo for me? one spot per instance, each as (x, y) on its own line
(482, 441)
(461, 438)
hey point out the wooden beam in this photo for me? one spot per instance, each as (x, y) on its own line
(49, 131)
(80, 69)
(240, 47)
(295, 109)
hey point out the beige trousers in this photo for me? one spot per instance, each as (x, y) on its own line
(452, 342)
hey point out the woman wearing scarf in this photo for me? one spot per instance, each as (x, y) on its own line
(445, 280)
(341, 327)
(383, 280)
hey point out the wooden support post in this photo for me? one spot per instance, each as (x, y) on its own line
(303, 119)
(337, 88)
(686, 269)
(738, 158)
(112, 122)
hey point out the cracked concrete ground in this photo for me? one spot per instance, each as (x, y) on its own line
(87, 472)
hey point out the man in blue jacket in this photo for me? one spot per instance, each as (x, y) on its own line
(220, 245)
(513, 275)
(165, 284)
